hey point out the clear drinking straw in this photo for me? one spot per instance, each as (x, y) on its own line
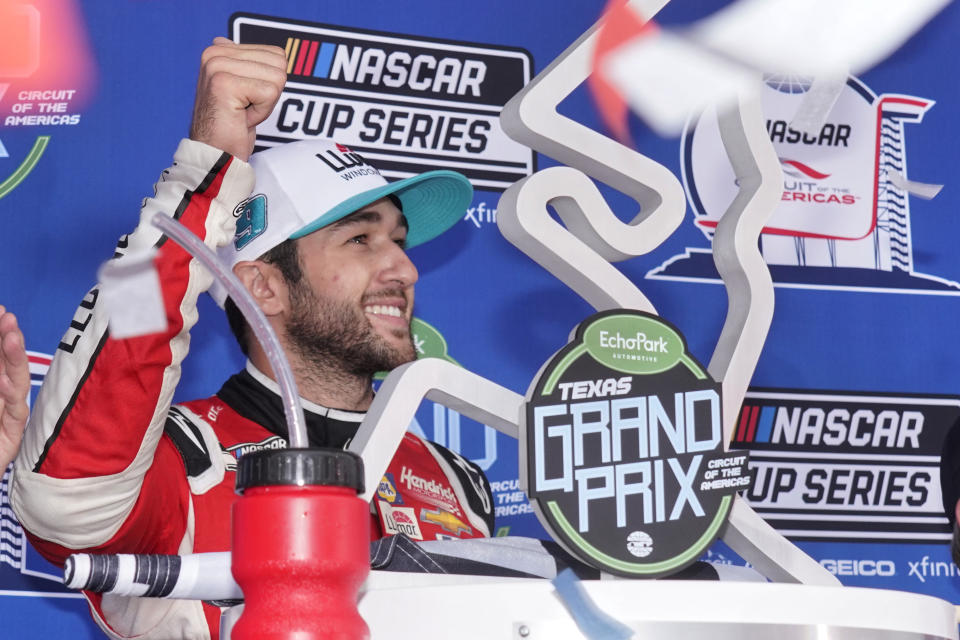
(296, 425)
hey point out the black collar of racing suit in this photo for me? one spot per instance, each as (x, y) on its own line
(255, 401)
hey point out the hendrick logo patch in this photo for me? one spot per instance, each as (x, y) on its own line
(622, 448)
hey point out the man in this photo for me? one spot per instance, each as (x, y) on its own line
(14, 386)
(108, 466)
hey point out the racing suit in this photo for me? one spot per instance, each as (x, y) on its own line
(108, 466)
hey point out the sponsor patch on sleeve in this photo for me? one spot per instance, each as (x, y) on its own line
(399, 520)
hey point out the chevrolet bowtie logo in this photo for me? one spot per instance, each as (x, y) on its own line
(446, 520)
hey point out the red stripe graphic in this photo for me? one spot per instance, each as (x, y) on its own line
(805, 170)
(311, 59)
(754, 412)
(301, 58)
(742, 429)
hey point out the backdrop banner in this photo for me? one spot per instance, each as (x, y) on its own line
(857, 384)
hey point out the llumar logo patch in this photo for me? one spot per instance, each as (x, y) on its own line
(621, 448)
(408, 104)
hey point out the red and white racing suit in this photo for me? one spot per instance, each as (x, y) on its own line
(107, 466)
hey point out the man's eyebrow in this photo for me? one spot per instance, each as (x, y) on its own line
(365, 216)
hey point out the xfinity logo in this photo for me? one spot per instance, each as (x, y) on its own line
(927, 568)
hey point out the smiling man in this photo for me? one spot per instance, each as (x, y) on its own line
(318, 238)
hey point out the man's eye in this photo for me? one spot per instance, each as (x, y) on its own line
(401, 242)
(360, 239)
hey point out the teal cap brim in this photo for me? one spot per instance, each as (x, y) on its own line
(432, 203)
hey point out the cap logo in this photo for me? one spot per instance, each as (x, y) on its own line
(251, 215)
(342, 159)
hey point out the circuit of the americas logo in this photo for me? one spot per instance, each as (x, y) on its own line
(407, 104)
(22, 571)
(621, 448)
(847, 466)
(842, 222)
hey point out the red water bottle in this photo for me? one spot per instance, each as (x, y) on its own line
(300, 545)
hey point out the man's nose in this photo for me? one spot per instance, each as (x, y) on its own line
(398, 267)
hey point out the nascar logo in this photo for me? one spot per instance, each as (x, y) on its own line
(422, 72)
(407, 104)
(847, 466)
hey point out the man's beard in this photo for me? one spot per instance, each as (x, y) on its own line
(331, 334)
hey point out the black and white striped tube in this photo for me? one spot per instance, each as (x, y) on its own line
(198, 576)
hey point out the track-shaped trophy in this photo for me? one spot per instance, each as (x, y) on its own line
(623, 433)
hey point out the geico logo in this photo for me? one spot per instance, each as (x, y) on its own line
(860, 428)
(420, 72)
(831, 135)
(883, 568)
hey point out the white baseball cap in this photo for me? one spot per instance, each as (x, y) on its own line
(306, 185)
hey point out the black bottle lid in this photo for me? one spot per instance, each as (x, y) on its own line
(300, 467)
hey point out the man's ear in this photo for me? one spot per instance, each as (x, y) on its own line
(265, 283)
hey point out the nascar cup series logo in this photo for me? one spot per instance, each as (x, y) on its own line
(621, 448)
(407, 104)
(842, 466)
(841, 208)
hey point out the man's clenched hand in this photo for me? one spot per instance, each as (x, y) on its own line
(239, 85)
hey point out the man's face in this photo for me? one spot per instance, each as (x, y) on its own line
(352, 309)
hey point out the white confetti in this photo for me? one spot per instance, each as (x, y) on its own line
(130, 292)
(668, 75)
(920, 189)
(817, 102)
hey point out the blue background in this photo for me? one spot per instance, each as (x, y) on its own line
(501, 314)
